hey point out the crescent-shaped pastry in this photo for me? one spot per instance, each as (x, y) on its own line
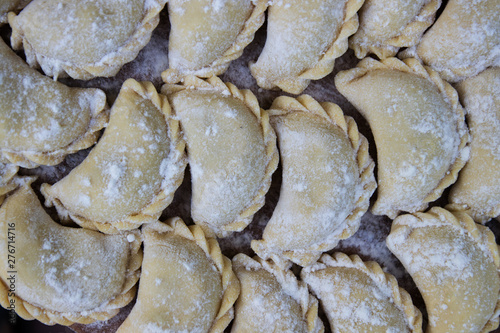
(327, 181)
(359, 296)
(455, 264)
(464, 41)
(272, 300)
(62, 275)
(206, 35)
(42, 121)
(385, 26)
(84, 39)
(131, 175)
(478, 186)
(7, 179)
(10, 5)
(303, 40)
(418, 126)
(231, 150)
(186, 285)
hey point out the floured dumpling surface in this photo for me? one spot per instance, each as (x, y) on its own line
(7, 179)
(327, 181)
(131, 175)
(84, 39)
(360, 297)
(42, 121)
(303, 40)
(418, 126)
(206, 35)
(231, 151)
(385, 26)
(478, 185)
(63, 275)
(272, 300)
(10, 5)
(455, 265)
(187, 285)
(465, 39)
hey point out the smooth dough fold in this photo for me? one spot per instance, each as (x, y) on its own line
(131, 175)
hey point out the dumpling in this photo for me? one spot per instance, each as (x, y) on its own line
(131, 175)
(231, 149)
(62, 275)
(7, 179)
(478, 184)
(10, 5)
(385, 26)
(84, 39)
(205, 35)
(359, 296)
(186, 285)
(465, 39)
(418, 126)
(42, 121)
(455, 264)
(327, 181)
(304, 37)
(272, 300)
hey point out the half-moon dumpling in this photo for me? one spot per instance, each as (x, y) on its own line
(10, 5)
(231, 149)
(304, 37)
(272, 300)
(465, 39)
(455, 264)
(131, 175)
(327, 181)
(418, 126)
(478, 184)
(186, 285)
(84, 39)
(387, 25)
(359, 296)
(62, 275)
(206, 35)
(42, 121)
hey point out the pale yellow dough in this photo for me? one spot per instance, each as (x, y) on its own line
(131, 175)
(304, 37)
(359, 296)
(187, 285)
(231, 150)
(7, 6)
(63, 275)
(478, 185)
(42, 121)
(387, 25)
(206, 35)
(84, 39)
(7, 179)
(455, 265)
(419, 130)
(272, 300)
(327, 181)
(465, 39)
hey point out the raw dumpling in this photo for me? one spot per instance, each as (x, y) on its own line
(231, 150)
(187, 285)
(478, 184)
(207, 35)
(387, 25)
(304, 37)
(10, 5)
(84, 38)
(7, 179)
(465, 39)
(327, 181)
(62, 275)
(418, 126)
(42, 121)
(272, 300)
(131, 175)
(358, 296)
(455, 265)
